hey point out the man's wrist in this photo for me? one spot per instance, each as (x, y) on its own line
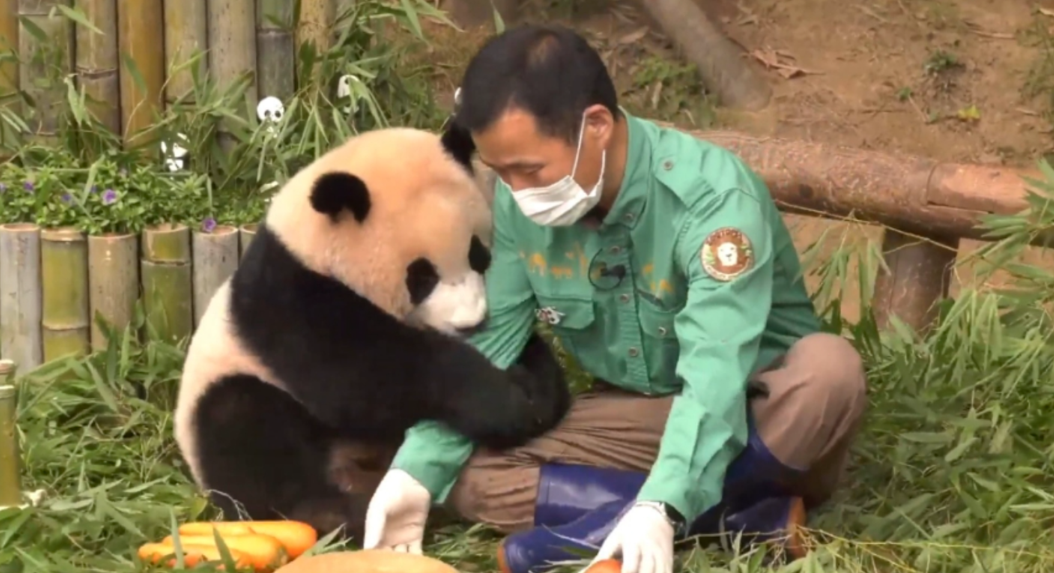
(673, 517)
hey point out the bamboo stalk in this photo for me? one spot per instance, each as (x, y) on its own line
(20, 303)
(275, 50)
(113, 283)
(10, 453)
(167, 283)
(247, 233)
(38, 76)
(140, 29)
(186, 34)
(215, 260)
(97, 63)
(9, 41)
(232, 49)
(65, 322)
(316, 24)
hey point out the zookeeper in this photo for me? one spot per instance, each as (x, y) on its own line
(666, 271)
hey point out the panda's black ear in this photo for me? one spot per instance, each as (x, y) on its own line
(336, 191)
(457, 141)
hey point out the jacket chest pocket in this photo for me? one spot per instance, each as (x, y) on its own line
(662, 349)
(570, 320)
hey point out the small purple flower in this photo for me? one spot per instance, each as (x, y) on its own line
(109, 197)
(28, 186)
(94, 188)
(3, 187)
(208, 225)
(66, 198)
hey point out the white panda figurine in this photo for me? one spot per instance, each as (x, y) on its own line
(343, 326)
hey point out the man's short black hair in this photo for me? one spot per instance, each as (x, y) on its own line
(548, 71)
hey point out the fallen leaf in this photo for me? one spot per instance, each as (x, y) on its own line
(1047, 12)
(634, 37)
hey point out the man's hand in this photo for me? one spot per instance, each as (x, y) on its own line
(644, 538)
(395, 518)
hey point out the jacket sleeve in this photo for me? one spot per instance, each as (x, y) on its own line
(719, 332)
(432, 452)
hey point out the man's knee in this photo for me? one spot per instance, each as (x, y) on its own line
(497, 493)
(836, 371)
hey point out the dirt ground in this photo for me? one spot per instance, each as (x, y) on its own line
(955, 80)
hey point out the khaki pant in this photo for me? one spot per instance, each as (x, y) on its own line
(817, 398)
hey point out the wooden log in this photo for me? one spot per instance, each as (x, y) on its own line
(140, 30)
(10, 452)
(914, 194)
(65, 321)
(919, 276)
(167, 283)
(247, 233)
(721, 64)
(20, 302)
(186, 38)
(41, 55)
(215, 260)
(275, 49)
(113, 283)
(98, 67)
(232, 50)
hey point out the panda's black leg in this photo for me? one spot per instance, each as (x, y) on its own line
(263, 456)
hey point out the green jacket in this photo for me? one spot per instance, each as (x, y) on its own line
(712, 291)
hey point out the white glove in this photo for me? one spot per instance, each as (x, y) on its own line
(644, 538)
(395, 518)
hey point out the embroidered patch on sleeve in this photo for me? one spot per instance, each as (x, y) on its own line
(727, 253)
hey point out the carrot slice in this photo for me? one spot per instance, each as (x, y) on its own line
(295, 536)
(265, 552)
(193, 555)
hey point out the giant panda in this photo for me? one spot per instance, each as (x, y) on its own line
(344, 326)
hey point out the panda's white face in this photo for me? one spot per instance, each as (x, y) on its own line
(455, 308)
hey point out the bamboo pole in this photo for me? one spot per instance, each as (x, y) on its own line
(97, 62)
(247, 233)
(215, 260)
(186, 34)
(20, 304)
(140, 30)
(232, 49)
(9, 82)
(316, 24)
(65, 320)
(275, 50)
(167, 283)
(113, 283)
(38, 76)
(10, 453)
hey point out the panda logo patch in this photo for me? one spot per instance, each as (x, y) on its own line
(726, 254)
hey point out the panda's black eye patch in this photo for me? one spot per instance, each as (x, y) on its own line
(421, 280)
(478, 255)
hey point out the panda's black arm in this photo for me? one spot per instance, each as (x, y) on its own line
(499, 408)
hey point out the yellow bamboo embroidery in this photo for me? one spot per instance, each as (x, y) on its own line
(537, 263)
(562, 272)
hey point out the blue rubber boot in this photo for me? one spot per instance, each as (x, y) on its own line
(542, 548)
(567, 492)
(572, 515)
(774, 519)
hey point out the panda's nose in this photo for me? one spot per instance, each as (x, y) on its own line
(474, 329)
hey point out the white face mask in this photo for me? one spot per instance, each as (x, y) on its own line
(564, 202)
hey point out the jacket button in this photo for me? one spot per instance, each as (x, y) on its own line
(633, 352)
(667, 165)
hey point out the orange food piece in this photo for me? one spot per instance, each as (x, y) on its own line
(605, 566)
(192, 555)
(295, 536)
(265, 552)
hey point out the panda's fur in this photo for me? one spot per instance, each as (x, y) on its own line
(341, 328)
